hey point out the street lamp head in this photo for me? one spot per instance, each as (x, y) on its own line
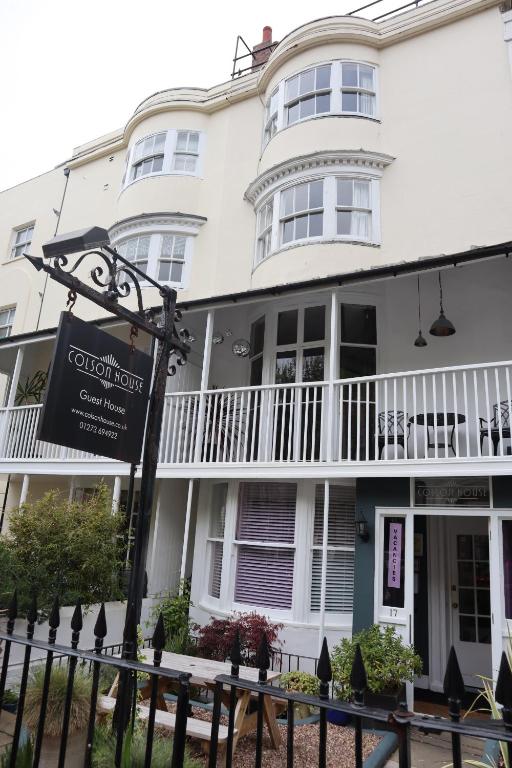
(73, 242)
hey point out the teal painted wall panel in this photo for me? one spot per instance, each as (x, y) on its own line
(371, 493)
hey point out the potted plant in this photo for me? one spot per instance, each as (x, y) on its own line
(301, 682)
(79, 713)
(389, 663)
(10, 700)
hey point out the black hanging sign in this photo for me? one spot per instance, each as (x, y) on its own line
(97, 394)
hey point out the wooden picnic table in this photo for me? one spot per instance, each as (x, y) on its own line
(203, 673)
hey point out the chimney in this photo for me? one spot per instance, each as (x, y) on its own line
(262, 51)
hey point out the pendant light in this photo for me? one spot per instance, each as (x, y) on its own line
(420, 341)
(442, 326)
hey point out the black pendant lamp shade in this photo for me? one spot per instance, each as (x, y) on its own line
(442, 326)
(420, 341)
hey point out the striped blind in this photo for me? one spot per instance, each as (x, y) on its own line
(342, 502)
(340, 552)
(266, 512)
(264, 574)
(216, 537)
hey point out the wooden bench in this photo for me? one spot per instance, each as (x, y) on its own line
(196, 729)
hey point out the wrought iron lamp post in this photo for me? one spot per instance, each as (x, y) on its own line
(117, 277)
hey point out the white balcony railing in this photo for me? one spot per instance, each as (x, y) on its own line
(439, 414)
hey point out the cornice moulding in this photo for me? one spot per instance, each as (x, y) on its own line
(155, 221)
(360, 158)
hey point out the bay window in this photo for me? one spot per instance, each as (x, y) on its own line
(339, 206)
(338, 88)
(265, 543)
(166, 152)
(340, 549)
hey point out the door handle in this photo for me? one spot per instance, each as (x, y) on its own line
(455, 605)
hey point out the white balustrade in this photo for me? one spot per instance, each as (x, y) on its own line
(438, 414)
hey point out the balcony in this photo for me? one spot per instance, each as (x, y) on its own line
(419, 419)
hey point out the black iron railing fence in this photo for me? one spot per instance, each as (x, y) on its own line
(227, 690)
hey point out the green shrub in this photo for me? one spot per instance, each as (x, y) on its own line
(104, 750)
(388, 661)
(175, 613)
(301, 682)
(80, 702)
(24, 757)
(55, 547)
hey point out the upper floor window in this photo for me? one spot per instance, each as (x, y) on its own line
(21, 241)
(265, 219)
(331, 208)
(6, 321)
(302, 211)
(187, 151)
(336, 88)
(271, 115)
(308, 94)
(148, 156)
(166, 152)
(162, 256)
(358, 88)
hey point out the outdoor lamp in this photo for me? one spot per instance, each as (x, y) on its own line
(442, 326)
(362, 527)
(73, 242)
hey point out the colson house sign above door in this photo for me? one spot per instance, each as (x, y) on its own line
(97, 394)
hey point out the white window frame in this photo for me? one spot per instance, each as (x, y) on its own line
(11, 310)
(335, 89)
(152, 155)
(155, 252)
(24, 243)
(213, 540)
(187, 153)
(289, 103)
(358, 89)
(297, 213)
(169, 152)
(270, 127)
(353, 208)
(264, 230)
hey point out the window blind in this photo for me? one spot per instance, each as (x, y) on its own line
(342, 501)
(264, 576)
(216, 548)
(340, 554)
(266, 512)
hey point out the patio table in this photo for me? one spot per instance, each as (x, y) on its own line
(433, 421)
(203, 673)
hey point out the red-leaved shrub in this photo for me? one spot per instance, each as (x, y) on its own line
(216, 638)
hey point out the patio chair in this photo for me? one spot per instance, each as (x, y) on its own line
(498, 427)
(392, 429)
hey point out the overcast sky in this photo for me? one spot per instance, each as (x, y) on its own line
(72, 71)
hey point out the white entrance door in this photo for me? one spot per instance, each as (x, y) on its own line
(470, 596)
(394, 574)
(501, 585)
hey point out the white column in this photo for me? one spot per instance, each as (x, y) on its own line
(323, 590)
(72, 484)
(333, 357)
(186, 533)
(11, 398)
(116, 494)
(207, 352)
(24, 489)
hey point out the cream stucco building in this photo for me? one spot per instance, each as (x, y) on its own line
(304, 211)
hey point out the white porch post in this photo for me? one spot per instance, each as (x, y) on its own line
(24, 489)
(325, 539)
(72, 483)
(116, 494)
(333, 357)
(11, 397)
(186, 533)
(204, 384)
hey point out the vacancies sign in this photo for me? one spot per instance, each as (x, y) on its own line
(97, 394)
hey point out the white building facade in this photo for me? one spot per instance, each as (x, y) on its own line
(315, 465)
